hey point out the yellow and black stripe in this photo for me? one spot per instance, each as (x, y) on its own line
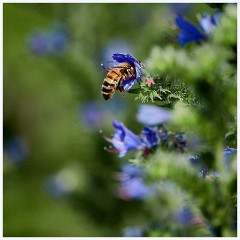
(110, 84)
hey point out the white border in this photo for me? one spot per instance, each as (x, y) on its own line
(109, 1)
(1, 104)
(120, 1)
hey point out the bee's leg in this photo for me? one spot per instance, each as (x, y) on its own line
(106, 69)
(120, 87)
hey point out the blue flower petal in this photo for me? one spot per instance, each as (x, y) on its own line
(135, 188)
(131, 170)
(132, 185)
(51, 42)
(124, 140)
(208, 22)
(127, 84)
(133, 232)
(149, 137)
(216, 17)
(121, 57)
(184, 216)
(228, 155)
(188, 32)
(17, 150)
(152, 115)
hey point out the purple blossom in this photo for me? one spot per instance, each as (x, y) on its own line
(184, 216)
(133, 232)
(152, 115)
(134, 189)
(58, 40)
(51, 42)
(149, 137)
(17, 149)
(209, 22)
(188, 218)
(123, 140)
(163, 135)
(190, 33)
(130, 171)
(207, 173)
(39, 43)
(228, 155)
(119, 58)
(132, 185)
(92, 114)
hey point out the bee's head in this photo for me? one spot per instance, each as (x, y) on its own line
(130, 71)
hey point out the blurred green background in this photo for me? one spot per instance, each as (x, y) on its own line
(58, 180)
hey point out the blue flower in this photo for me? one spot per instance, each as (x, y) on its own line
(163, 135)
(208, 22)
(39, 44)
(131, 171)
(58, 40)
(124, 140)
(152, 115)
(51, 42)
(132, 185)
(185, 216)
(190, 33)
(204, 171)
(133, 232)
(228, 155)
(119, 58)
(92, 115)
(135, 188)
(149, 137)
(17, 149)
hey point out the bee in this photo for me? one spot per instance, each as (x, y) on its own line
(115, 78)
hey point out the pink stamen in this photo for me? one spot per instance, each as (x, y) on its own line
(112, 150)
(112, 140)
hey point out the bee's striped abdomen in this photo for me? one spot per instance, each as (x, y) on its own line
(115, 78)
(110, 84)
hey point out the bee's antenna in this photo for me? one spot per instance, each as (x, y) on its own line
(104, 67)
